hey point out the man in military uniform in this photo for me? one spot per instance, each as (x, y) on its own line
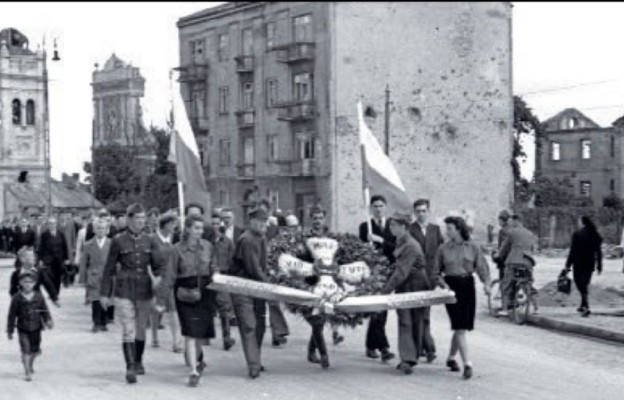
(250, 262)
(134, 251)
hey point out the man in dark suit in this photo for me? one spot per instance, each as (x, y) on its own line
(53, 252)
(429, 236)
(385, 241)
(23, 236)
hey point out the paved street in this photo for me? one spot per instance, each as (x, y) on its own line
(510, 362)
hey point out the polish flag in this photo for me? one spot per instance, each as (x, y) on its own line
(379, 174)
(184, 153)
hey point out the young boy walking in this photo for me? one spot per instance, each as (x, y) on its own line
(29, 313)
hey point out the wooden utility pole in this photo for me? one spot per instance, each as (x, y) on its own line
(387, 121)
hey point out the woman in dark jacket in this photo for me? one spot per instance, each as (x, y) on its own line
(585, 256)
(192, 269)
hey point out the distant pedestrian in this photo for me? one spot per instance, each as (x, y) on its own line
(29, 314)
(189, 275)
(456, 262)
(53, 252)
(585, 256)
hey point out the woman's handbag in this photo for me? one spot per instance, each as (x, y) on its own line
(188, 295)
(564, 284)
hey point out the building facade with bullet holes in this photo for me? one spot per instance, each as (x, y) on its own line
(22, 112)
(271, 90)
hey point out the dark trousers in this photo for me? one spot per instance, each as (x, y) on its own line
(98, 314)
(279, 326)
(582, 280)
(376, 335)
(69, 275)
(411, 332)
(251, 316)
(110, 314)
(428, 342)
(317, 339)
(56, 275)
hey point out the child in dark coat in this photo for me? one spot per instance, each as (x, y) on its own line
(29, 313)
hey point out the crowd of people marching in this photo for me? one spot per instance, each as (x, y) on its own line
(142, 271)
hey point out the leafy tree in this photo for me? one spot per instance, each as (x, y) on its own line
(161, 188)
(114, 172)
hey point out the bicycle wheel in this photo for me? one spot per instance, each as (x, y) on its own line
(495, 298)
(522, 297)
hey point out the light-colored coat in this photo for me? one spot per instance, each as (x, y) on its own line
(93, 261)
(519, 243)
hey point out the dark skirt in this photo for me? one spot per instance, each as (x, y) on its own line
(462, 313)
(196, 319)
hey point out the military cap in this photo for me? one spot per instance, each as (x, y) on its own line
(258, 213)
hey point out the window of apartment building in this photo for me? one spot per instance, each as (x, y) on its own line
(303, 86)
(224, 153)
(585, 149)
(198, 102)
(271, 35)
(305, 146)
(612, 146)
(16, 111)
(198, 50)
(224, 99)
(203, 155)
(271, 92)
(247, 41)
(555, 151)
(302, 28)
(30, 112)
(247, 95)
(222, 51)
(273, 195)
(272, 148)
(224, 197)
(612, 185)
(248, 151)
(585, 188)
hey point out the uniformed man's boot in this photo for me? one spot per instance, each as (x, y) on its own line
(129, 355)
(228, 341)
(140, 348)
(312, 357)
(319, 340)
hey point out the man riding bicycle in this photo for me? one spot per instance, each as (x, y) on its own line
(516, 253)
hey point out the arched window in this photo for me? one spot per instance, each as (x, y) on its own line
(17, 112)
(30, 112)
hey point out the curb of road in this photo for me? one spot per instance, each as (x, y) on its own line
(579, 329)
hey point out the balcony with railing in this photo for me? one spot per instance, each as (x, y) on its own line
(298, 167)
(244, 64)
(246, 118)
(246, 171)
(298, 110)
(199, 124)
(296, 52)
(193, 72)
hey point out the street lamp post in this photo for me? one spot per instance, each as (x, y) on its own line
(46, 127)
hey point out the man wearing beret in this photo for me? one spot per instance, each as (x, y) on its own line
(134, 251)
(410, 275)
(250, 262)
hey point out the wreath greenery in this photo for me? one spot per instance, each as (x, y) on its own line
(350, 249)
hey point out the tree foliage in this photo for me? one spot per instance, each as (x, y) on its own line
(161, 188)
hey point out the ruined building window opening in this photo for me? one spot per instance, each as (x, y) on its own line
(302, 28)
(248, 151)
(612, 185)
(30, 112)
(224, 99)
(271, 35)
(573, 123)
(224, 197)
(273, 195)
(224, 153)
(612, 146)
(586, 149)
(585, 188)
(222, 51)
(303, 87)
(271, 92)
(247, 95)
(198, 102)
(247, 42)
(414, 114)
(198, 50)
(17, 111)
(305, 146)
(272, 147)
(555, 151)
(370, 112)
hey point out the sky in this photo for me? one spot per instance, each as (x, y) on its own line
(564, 55)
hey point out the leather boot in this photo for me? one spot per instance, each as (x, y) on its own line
(319, 340)
(140, 348)
(312, 357)
(129, 355)
(228, 342)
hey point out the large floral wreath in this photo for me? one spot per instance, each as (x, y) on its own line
(350, 250)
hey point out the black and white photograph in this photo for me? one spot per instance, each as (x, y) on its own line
(311, 200)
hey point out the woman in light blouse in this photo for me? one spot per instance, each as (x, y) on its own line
(456, 262)
(192, 268)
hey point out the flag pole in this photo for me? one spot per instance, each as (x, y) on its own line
(365, 188)
(174, 137)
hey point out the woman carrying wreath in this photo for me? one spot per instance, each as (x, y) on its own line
(190, 273)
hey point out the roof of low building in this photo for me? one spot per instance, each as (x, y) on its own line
(63, 195)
